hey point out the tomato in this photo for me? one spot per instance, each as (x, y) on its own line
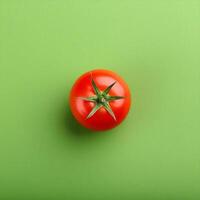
(100, 100)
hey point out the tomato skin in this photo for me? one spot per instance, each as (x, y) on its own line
(101, 120)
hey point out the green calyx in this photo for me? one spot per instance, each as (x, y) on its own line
(102, 99)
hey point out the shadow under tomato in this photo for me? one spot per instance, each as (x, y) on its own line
(73, 126)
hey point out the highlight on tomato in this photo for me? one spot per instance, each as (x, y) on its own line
(100, 100)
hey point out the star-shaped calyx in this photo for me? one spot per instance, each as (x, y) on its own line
(102, 99)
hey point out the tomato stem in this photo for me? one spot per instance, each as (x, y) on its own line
(102, 99)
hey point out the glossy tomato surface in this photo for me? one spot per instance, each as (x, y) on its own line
(104, 117)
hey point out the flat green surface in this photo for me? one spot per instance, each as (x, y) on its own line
(45, 45)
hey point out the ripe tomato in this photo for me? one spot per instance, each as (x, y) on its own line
(100, 100)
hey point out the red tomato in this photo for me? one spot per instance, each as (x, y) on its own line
(100, 100)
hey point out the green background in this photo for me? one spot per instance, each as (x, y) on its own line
(45, 45)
